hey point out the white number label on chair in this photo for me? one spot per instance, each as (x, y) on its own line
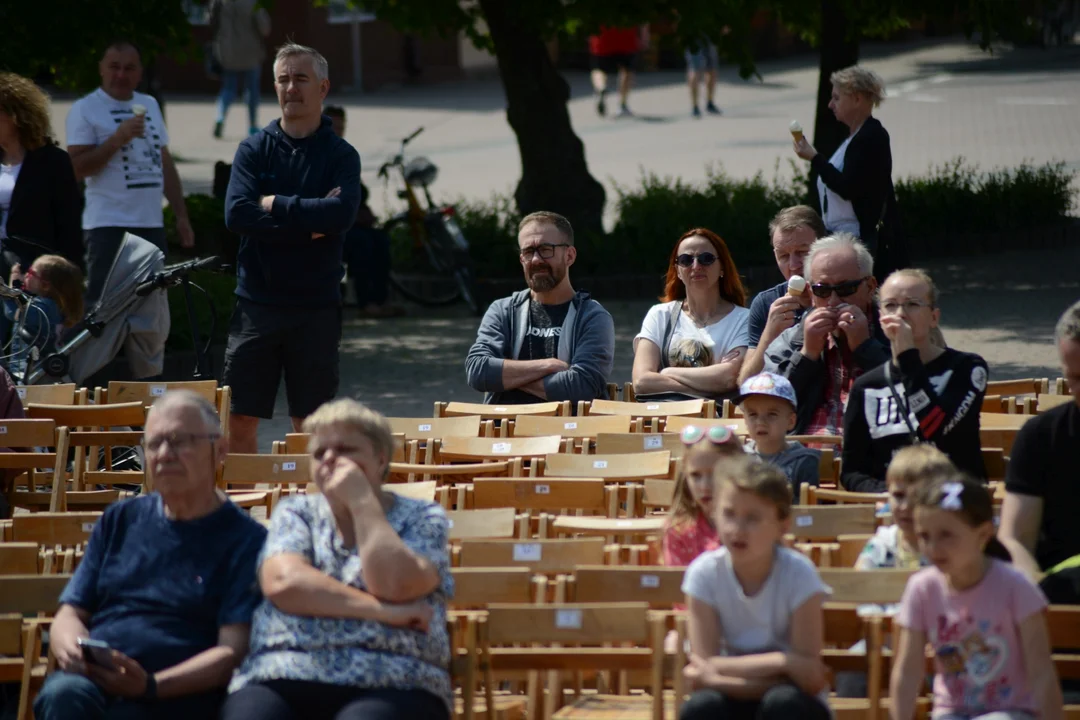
(804, 521)
(543, 489)
(650, 581)
(286, 467)
(599, 464)
(22, 393)
(653, 442)
(500, 409)
(449, 523)
(500, 447)
(652, 407)
(622, 523)
(528, 552)
(424, 428)
(88, 527)
(570, 426)
(157, 390)
(3, 429)
(568, 619)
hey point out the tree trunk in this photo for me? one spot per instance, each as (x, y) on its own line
(839, 50)
(554, 175)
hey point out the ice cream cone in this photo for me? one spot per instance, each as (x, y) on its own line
(139, 110)
(796, 130)
(796, 286)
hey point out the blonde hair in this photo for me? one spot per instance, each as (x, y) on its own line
(857, 79)
(346, 411)
(65, 285)
(920, 275)
(748, 474)
(684, 508)
(916, 464)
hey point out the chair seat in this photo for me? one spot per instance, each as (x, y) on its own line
(614, 707)
(507, 707)
(249, 499)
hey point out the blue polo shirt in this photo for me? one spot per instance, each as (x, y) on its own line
(157, 589)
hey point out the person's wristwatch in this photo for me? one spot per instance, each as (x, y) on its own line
(150, 693)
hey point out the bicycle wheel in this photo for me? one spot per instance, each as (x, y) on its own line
(424, 272)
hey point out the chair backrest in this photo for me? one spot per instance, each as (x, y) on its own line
(30, 594)
(58, 394)
(131, 414)
(21, 433)
(995, 463)
(476, 448)
(1049, 402)
(690, 408)
(544, 556)
(147, 393)
(1026, 386)
(574, 623)
(658, 494)
(659, 586)
(499, 412)
(630, 442)
(476, 587)
(572, 427)
(547, 493)
(429, 428)
(59, 528)
(489, 523)
(297, 444)
(865, 586)
(1063, 622)
(676, 424)
(818, 495)
(628, 466)
(448, 473)
(414, 490)
(18, 558)
(849, 549)
(266, 469)
(826, 522)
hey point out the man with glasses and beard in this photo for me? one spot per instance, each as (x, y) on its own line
(548, 342)
(837, 341)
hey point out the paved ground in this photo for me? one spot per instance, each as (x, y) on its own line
(946, 99)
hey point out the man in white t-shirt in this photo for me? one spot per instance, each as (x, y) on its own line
(118, 143)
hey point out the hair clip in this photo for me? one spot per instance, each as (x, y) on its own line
(951, 499)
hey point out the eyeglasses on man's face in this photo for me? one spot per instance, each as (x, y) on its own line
(546, 251)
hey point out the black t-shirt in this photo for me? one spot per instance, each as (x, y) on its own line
(541, 342)
(1045, 463)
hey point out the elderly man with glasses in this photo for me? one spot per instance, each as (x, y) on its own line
(838, 340)
(156, 617)
(547, 342)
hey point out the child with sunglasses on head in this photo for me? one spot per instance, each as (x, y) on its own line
(984, 619)
(755, 608)
(769, 406)
(689, 529)
(57, 284)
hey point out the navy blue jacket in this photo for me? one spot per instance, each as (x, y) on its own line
(279, 262)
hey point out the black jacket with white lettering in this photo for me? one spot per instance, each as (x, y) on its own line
(943, 400)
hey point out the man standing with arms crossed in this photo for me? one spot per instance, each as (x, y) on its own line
(293, 193)
(118, 143)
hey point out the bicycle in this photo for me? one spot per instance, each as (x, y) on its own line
(434, 267)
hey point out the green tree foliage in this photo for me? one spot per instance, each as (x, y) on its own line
(64, 39)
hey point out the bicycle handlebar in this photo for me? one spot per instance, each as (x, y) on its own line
(412, 137)
(174, 273)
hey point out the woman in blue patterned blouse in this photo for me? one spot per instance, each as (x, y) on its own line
(356, 581)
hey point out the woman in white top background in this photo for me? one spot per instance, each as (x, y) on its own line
(855, 185)
(692, 344)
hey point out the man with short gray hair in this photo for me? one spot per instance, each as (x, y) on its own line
(548, 342)
(1038, 516)
(293, 193)
(838, 340)
(166, 590)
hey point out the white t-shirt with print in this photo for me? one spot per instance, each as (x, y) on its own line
(837, 213)
(730, 332)
(127, 192)
(9, 175)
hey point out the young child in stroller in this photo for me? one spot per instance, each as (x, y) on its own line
(57, 284)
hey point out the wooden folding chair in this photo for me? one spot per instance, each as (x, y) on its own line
(501, 412)
(539, 556)
(60, 529)
(440, 427)
(1026, 386)
(288, 473)
(657, 585)
(626, 530)
(537, 498)
(622, 467)
(1049, 402)
(148, 392)
(21, 659)
(486, 523)
(849, 548)
(658, 495)
(57, 394)
(25, 436)
(1063, 623)
(812, 495)
(591, 629)
(583, 430)
(651, 415)
(637, 442)
(416, 490)
(19, 558)
(996, 464)
(453, 481)
(827, 522)
(999, 430)
(474, 449)
(475, 587)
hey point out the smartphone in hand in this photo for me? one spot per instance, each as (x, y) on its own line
(97, 652)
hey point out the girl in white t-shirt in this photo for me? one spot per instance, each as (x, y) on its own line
(755, 608)
(692, 344)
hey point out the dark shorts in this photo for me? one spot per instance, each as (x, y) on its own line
(611, 63)
(266, 340)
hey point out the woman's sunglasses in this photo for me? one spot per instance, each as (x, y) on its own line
(686, 260)
(717, 435)
(844, 289)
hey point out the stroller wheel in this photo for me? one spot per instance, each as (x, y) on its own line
(56, 365)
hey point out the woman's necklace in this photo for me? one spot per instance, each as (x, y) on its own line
(707, 320)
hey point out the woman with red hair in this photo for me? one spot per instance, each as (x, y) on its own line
(692, 344)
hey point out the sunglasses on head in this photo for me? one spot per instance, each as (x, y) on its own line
(844, 289)
(705, 259)
(717, 435)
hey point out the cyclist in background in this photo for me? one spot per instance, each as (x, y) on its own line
(367, 248)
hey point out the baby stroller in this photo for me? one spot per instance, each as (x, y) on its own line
(129, 315)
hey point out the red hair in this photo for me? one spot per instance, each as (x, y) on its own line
(731, 287)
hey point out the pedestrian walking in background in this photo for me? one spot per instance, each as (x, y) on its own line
(239, 29)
